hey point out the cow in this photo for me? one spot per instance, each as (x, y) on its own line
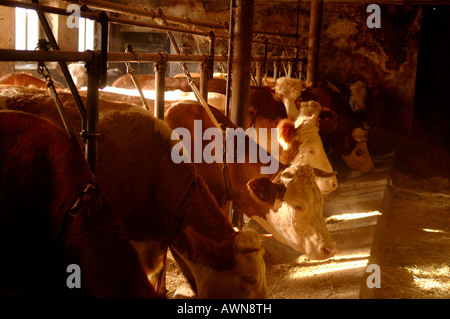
(348, 137)
(299, 142)
(358, 97)
(287, 203)
(26, 80)
(132, 97)
(147, 82)
(53, 214)
(161, 204)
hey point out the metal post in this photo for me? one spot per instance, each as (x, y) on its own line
(242, 62)
(160, 84)
(275, 71)
(212, 48)
(204, 76)
(259, 73)
(230, 56)
(289, 74)
(315, 27)
(104, 48)
(93, 79)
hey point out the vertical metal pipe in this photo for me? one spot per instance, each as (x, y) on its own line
(160, 84)
(230, 56)
(93, 78)
(204, 76)
(259, 73)
(275, 71)
(315, 26)
(289, 74)
(104, 22)
(242, 62)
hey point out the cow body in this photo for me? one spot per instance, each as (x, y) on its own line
(149, 192)
(26, 80)
(42, 172)
(263, 197)
(147, 82)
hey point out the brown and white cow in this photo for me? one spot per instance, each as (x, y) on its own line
(44, 178)
(346, 138)
(161, 203)
(299, 142)
(287, 203)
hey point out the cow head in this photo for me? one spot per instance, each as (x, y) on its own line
(359, 158)
(232, 269)
(301, 144)
(358, 97)
(296, 217)
(289, 90)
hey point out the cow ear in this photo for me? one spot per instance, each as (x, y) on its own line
(263, 190)
(286, 133)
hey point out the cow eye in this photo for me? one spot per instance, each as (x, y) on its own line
(311, 151)
(359, 153)
(298, 207)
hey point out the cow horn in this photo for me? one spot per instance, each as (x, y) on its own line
(266, 236)
(320, 173)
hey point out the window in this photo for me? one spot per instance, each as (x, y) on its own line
(27, 25)
(86, 34)
(26, 29)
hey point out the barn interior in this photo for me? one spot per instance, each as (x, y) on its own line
(396, 216)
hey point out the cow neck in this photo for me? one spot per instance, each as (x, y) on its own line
(206, 227)
(203, 214)
(240, 175)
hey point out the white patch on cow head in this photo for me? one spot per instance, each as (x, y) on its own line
(359, 159)
(246, 280)
(297, 217)
(78, 73)
(358, 96)
(288, 90)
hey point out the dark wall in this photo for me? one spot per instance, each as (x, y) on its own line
(428, 149)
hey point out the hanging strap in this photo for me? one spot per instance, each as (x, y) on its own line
(43, 70)
(130, 71)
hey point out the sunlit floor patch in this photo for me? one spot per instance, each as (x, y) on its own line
(352, 216)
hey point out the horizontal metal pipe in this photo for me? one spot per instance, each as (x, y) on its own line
(37, 56)
(48, 9)
(145, 13)
(87, 56)
(161, 27)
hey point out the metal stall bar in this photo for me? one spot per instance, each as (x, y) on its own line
(94, 70)
(86, 56)
(150, 14)
(161, 27)
(145, 13)
(230, 56)
(241, 70)
(315, 27)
